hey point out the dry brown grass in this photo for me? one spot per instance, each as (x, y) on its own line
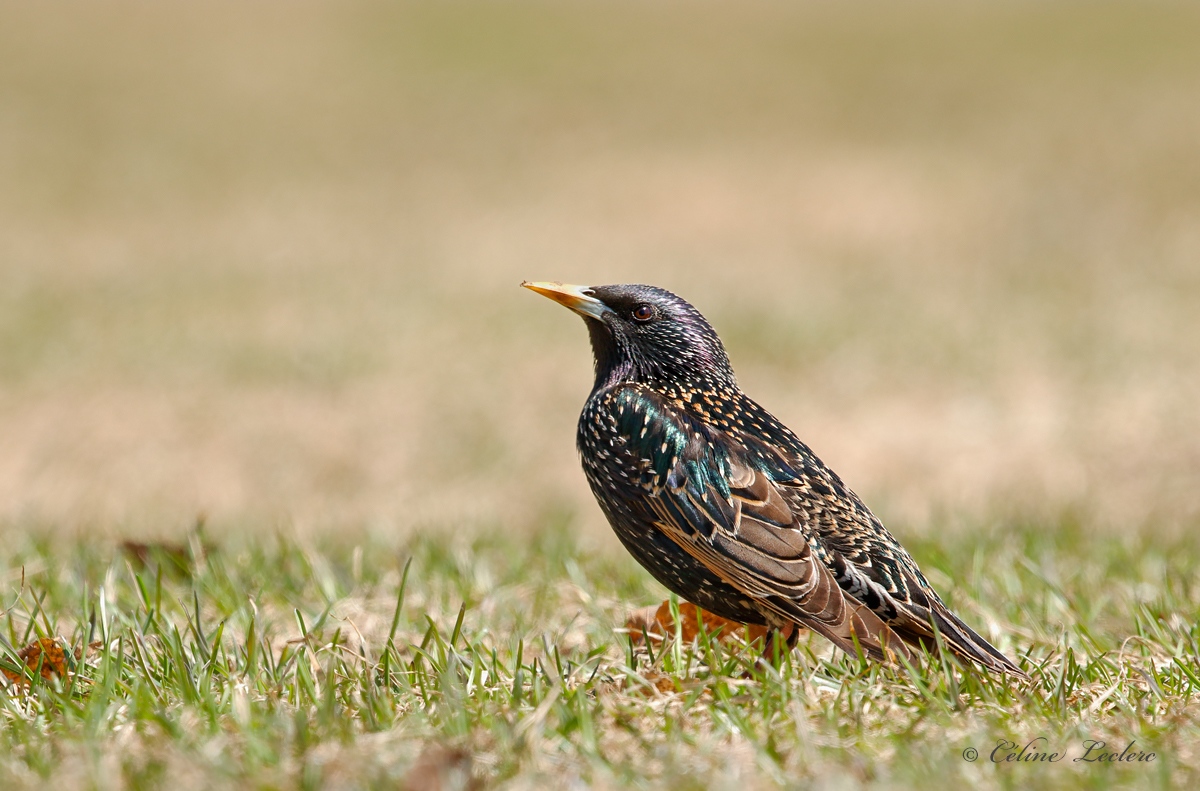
(262, 262)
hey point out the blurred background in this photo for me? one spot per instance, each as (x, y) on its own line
(260, 261)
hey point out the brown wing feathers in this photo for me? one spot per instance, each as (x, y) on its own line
(754, 544)
(754, 541)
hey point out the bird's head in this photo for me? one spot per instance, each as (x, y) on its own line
(645, 334)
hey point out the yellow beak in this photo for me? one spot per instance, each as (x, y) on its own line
(573, 297)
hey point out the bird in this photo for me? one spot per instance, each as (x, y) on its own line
(725, 506)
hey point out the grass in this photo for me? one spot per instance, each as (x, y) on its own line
(495, 662)
(261, 262)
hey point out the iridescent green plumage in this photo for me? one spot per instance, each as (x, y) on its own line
(724, 505)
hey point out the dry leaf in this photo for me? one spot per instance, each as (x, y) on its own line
(657, 622)
(175, 558)
(441, 768)
(46, 652)
(662, 683)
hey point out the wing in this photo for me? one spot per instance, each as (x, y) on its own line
(733, 518)
(867, 561)
(870, 564)
(764, 514)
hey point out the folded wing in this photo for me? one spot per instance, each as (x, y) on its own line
(734, 519)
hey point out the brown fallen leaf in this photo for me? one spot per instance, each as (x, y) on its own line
(46, 652)
(662, 683)
(90, 649)
(657, 623)
(174, 558)
(441, 768)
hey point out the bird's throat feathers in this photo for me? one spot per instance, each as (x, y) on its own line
(676, 355)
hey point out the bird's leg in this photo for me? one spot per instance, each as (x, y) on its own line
(773, 652)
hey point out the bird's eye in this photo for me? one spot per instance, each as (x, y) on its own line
(643, 313)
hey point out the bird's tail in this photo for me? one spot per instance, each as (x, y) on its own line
(965, 643)
(925, 619)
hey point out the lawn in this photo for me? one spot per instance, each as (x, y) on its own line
(445, 663)
(259, 270)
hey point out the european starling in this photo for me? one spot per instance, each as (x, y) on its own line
(724, 505)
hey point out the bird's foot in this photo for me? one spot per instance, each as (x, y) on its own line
(777, 644)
